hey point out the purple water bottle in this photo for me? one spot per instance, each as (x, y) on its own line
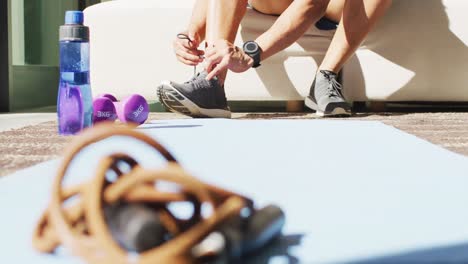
(74, 103)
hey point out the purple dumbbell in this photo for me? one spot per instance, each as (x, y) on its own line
(133, 109)
(104, 109)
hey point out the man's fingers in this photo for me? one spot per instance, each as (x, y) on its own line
(214, 57)
(186, 44)
(180, 46)
(189, 48)
(214, 72)
(220, 67)
(187, 62)
(188, 56)
(210, 62)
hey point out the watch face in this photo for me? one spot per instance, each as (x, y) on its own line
(251, 47)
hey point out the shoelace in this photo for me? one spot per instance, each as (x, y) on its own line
(198, 83)
(194, 78)
(185, 36)
(335, 87)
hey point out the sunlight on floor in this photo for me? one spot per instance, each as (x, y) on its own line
(14, 121)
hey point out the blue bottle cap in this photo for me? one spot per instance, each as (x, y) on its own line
(74, 18)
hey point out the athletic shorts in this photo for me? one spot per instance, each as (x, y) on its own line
(323, 24)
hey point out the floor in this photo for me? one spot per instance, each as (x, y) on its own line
(29, 139)
(15, 121)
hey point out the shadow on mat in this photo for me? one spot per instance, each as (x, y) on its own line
(274, 116)
(311, 116)
(168, 126)
(457, 253)
(277, 248)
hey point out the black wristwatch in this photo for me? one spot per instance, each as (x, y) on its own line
(252, 49)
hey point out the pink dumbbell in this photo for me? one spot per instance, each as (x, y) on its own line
(133, 109)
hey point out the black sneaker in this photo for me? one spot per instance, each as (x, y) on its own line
(325, 96)
(196, 98)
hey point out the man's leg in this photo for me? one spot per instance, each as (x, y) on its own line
(356, 17)
(223, 20)
(200, 97)
(356, 21)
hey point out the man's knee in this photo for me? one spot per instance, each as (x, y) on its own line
(318, 6)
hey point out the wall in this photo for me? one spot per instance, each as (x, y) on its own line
(32, 69)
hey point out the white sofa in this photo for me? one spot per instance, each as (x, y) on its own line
(418, 52)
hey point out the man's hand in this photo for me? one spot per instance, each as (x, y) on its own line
(187, 51)
(224, 55)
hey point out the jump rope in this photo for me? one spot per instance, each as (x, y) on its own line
(128, 218)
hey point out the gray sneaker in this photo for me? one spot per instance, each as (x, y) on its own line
(325, 96)
(196, 98)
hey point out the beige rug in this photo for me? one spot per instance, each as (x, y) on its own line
(27, 146)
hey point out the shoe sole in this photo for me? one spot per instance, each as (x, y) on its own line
(175, 101)
(337, 112)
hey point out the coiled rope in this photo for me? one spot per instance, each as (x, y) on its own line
(82, 228)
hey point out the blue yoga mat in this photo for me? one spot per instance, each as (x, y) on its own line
(353, 191)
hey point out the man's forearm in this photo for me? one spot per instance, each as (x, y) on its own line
(291, 25)
(198, 20)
